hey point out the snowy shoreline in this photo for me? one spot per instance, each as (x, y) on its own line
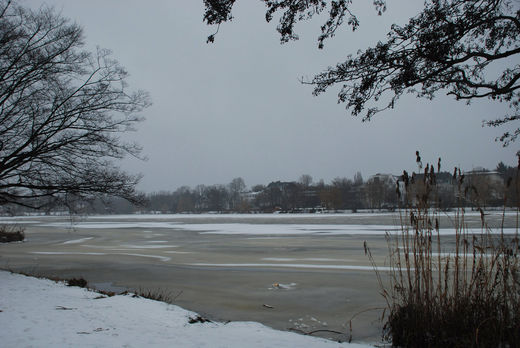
(41, 312)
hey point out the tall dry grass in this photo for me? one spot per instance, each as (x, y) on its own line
(457, 291)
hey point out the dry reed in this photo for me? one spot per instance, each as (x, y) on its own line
(11, 233)
(468, 296)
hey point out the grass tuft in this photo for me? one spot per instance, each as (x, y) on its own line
(158, 295)
(10, 233)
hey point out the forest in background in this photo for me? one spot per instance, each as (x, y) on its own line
(380, 192)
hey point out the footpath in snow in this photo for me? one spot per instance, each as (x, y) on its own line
(43, 313)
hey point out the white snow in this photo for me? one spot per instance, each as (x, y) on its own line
(129, 246)
(77, 241)
(126, 217)
(281, 217)
(236, 228)
(108, 224)
(285, 259)
(286, 229)
(314, 229)
(64, 253)
(161, 258)
(42, 313)
(259, 229)
(292, 265)
(232, 216)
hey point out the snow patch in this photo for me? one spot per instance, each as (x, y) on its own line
(131, 246)
(77, 241)
(64, 253)
(317, 259)
(162, 258)
(291, 265)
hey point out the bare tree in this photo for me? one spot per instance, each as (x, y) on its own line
(236, 187)
(358, 179)
(305, 180)
(380, 192)
(62, 111)
(456, 46)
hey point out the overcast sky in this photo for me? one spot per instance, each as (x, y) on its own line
(236, 108)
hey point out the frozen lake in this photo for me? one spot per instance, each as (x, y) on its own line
(303, 272)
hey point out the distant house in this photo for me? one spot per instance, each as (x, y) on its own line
(249, 196)
(492, 177)
(389, 179)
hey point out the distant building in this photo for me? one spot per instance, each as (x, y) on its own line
(493, 177)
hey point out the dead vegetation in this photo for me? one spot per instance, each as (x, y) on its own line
(79, 282)
(158, 295)
(11, 233)
(449, 291)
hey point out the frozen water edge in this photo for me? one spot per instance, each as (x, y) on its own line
(257, 229)
(40, 312)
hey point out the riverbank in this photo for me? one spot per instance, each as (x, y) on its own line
(41, 312)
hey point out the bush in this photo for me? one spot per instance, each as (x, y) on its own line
(11, 234)
(468, 296)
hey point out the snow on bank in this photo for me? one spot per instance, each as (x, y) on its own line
(42, 313)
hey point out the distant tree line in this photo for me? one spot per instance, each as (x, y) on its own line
(480, 187)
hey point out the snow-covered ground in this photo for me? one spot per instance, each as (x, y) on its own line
(42, 313)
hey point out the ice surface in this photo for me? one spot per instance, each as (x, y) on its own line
(161, 258)
(77, 241)
(63, 253)
(108, 224)
(130, 246)
(284, 259)
(291, 265)
(263, 229)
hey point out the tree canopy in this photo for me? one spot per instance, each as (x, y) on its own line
(62, 111)
(455, 46)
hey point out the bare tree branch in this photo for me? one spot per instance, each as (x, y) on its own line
(62, 110)
(449, 46)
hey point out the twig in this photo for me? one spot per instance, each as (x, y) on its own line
(179, 294)
(65, 308)
(310, 333)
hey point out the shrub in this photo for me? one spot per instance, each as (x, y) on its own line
(467, 296)
(11, 234)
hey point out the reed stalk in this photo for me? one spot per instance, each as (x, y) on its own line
(444, 291)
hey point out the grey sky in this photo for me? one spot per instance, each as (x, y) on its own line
(235, 108)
